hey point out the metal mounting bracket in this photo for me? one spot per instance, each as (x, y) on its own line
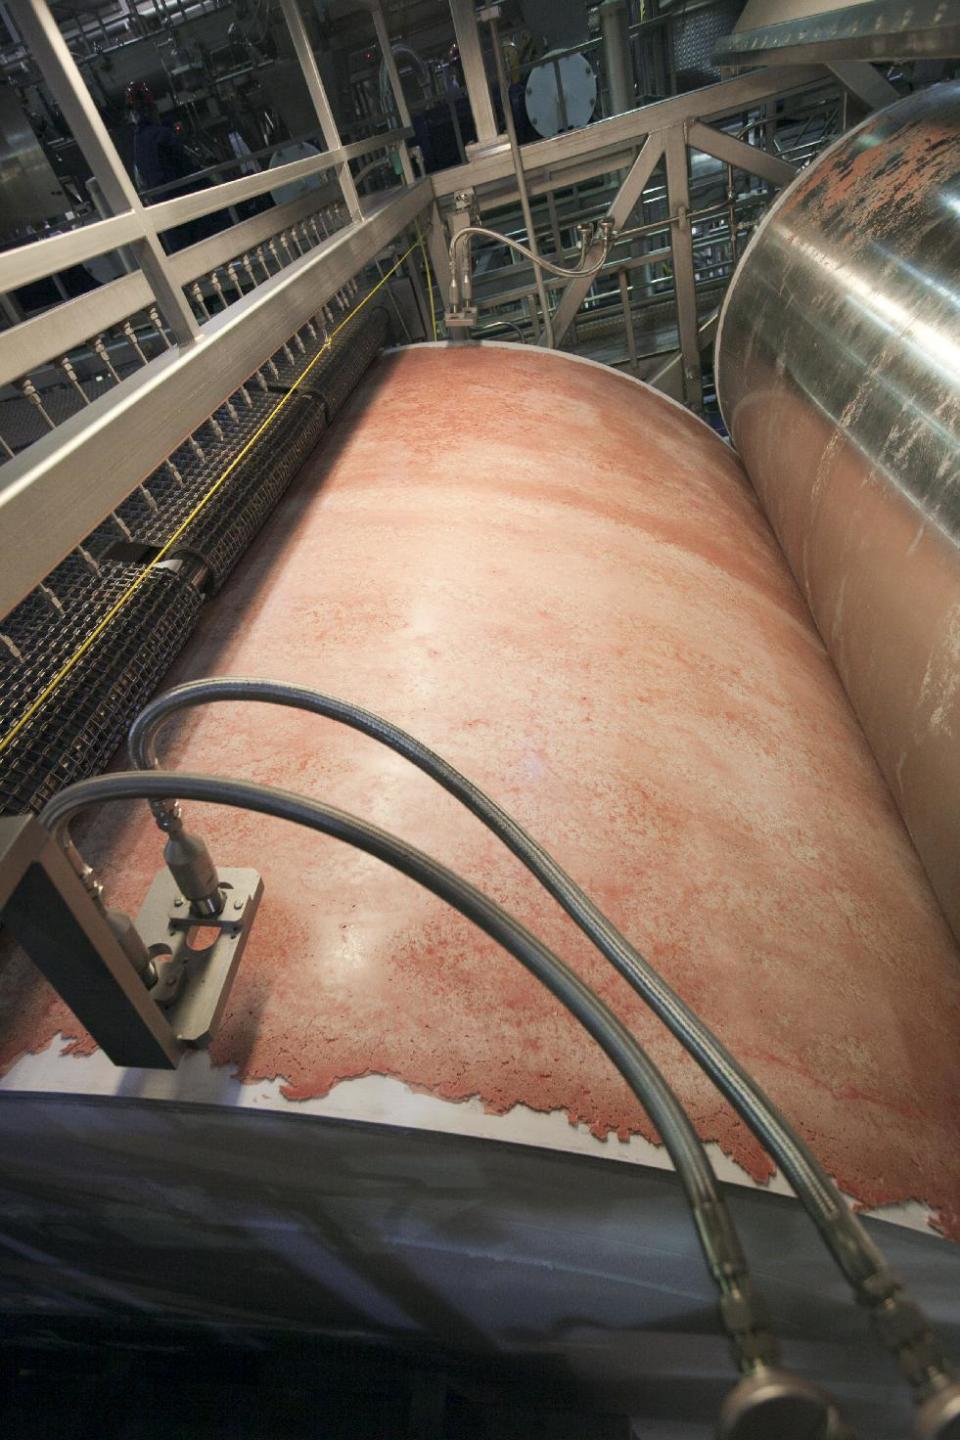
(197, 957)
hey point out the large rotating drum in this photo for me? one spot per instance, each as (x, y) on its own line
(562, 581)
(839, 379)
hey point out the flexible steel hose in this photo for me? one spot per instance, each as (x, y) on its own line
(901, 1326)
(580, 269)
(718, 1238)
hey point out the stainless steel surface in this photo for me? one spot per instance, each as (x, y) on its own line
(839, 379)
(768, 1403)
(477, 1247)
(865, 81)
(389, 62)
(619, 214)
(29, 189)
(870, 30)
(668, 375)
(517, 156)
(97, 456)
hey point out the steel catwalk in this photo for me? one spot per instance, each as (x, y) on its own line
(563, 582)
(839, 378)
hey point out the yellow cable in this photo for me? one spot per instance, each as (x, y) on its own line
(164, 550)
(426, 266)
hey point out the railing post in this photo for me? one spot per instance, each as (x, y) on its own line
(42, 38)
(438, 243)
(681, 245)
(474, 74)
(399, 99)
(311, 74)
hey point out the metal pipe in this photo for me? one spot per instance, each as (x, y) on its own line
(461, 286)
(617, 55)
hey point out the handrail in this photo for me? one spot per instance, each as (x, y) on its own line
(233, 192)
(40, 258)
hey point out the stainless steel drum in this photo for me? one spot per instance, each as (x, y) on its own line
(839, 379)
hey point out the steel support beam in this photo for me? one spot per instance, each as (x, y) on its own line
(668, 376)
(49, 50)
(867, 30)
(865, 82)
(474, 74)
(620, 132)
(58, 490)
(736, 152)
(308, 64)
(681, 244)
(623, 206)
(438, 250)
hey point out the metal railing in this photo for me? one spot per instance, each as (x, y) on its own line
(111, 382)
(642, 161)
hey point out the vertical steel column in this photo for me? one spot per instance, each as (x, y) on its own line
(474, 74)
(308, 64)
(399, 99)
(42, 38)
(419, 292)
(624, 286)
(617, 55)
(103, 210)
(437, 242)
(681, 245)
(521, 181)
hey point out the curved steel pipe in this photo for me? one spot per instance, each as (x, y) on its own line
(753, 1344)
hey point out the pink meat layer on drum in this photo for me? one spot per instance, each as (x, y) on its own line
(562, 582)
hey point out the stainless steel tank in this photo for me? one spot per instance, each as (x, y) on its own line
(839, 380)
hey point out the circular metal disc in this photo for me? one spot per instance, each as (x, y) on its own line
(552, 107)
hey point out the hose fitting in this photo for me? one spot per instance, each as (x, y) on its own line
(742, 1312)
(191, 865)
(939, 1417)
(132, 946)
(772, 1404)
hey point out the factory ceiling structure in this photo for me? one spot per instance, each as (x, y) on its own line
(480, 719)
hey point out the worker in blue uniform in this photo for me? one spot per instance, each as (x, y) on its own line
(161, 158)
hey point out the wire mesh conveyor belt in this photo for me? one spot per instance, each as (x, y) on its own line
(82, 721)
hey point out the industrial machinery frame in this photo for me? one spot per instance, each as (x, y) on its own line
(212, 342)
